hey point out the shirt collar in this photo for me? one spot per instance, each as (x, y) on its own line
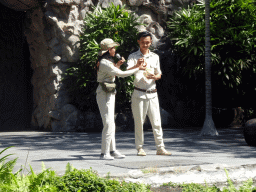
(147, 55)
(108, 57)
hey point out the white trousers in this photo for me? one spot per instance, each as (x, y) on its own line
(141, 108)
(106, 103)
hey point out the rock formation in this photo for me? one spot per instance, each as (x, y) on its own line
(53, 30)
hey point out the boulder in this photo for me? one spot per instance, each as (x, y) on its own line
(250, 132)
(124, 121)
(64, 119)
(20, 5)
(86, 121)
(166, 118)
(64, 2)
(106, 3)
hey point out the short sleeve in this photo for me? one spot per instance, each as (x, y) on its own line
(130, 62)
(157, 69)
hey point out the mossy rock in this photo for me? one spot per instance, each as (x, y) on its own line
(250, 132)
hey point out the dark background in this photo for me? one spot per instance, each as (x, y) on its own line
(16, 90)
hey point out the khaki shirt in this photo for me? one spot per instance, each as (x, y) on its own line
(107, 72)
(141, 81)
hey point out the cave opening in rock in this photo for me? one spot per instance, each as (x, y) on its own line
(16, 90)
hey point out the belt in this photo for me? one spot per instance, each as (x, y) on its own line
(144, 90)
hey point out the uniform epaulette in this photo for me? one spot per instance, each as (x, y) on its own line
(134, 53)
(153, 53)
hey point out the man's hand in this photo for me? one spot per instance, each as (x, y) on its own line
(155, 77)
(140, 62)
(142, 67)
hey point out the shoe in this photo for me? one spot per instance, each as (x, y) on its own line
(106, 157)
(162, 151)
(141, 152)
(116, 154)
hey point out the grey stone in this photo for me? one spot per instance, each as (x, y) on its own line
(53, 42)
(166, 117)
(68, 121)
(106, 3)
(73, 14)
(124, 121)
(55, 115)
(136, 3)
(56, 43)
(67, 34)
(135, 174)
(56, 126)
(68, 108)
(64, 59)
(72, 118)
(57, 49)
(98, 125)
(51, 88)
(56, 59)
(88, 120)
(61, 2)
(177, 2)
(85, 6)
(168, 2)
(20, 5)
(157, 163)
(250, 132)
(62, 99)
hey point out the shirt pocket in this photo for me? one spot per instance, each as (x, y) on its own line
(152, 64)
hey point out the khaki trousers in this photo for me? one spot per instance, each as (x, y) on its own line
(141, 108)
(106, 103)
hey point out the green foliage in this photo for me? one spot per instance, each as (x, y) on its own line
(113, 22)
(81, 180)
(44, 181)
(246, 187)
(6, 168)
(69, 168)
(193, 187)
(89, 180)
(233, 37)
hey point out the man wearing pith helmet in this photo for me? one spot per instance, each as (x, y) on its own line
(145, 98)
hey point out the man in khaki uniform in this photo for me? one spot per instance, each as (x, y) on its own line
(145, 98)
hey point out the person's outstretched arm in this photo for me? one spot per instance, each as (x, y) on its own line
(112, 70)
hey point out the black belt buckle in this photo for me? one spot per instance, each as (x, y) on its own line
(149, 91)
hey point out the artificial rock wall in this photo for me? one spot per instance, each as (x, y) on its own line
(52, 32)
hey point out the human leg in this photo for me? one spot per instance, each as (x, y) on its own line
(139, 109)
(155, 120)
(106, 103)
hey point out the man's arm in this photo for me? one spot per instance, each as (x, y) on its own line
(135, 66)
(155, 77)
(157, 71)
(131, 62)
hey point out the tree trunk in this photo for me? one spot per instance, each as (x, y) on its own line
(208, 127)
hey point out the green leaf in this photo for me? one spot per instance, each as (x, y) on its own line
(195, 50)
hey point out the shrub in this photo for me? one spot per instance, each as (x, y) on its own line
(88, 180)
(113, 22)
(81, 180)
(6, 168)
(233, 37)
